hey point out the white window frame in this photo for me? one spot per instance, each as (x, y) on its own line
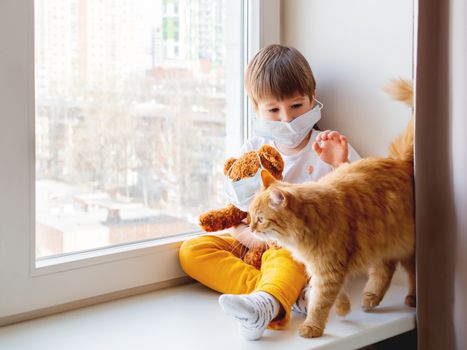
(26, 289)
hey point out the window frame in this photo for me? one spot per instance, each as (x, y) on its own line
(26, 287)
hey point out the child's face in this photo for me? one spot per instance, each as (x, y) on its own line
(284, 110)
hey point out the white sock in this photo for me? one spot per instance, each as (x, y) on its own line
(253, 312)
(301, 304)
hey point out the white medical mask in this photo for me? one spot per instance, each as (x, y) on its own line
(240, 193)
(288, 134)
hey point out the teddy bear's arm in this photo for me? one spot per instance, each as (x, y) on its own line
(254, 257)
(216, 220)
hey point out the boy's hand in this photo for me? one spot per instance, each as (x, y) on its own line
(243, 234)
(332, 148)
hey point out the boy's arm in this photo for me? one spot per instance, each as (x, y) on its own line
(242, 231)
(243, 234)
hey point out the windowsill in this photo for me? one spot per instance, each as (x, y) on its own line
(188, 317)
(97, 256)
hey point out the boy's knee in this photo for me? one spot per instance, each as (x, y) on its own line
(284, 256)
(188, 252)
(274, 253)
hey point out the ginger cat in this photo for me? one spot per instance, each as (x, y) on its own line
(359, 217)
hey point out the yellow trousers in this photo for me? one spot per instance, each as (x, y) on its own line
(215, 261)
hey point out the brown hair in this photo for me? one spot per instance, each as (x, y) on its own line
(278, 71)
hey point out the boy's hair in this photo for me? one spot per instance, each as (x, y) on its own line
(278, 71)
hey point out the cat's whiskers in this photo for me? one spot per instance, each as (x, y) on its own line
(238, 246)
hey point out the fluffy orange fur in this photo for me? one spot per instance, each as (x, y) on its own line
(359, 217)
(402, 90)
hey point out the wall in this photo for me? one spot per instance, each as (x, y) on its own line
(354, 49)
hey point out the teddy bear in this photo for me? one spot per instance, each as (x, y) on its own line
(236, 169)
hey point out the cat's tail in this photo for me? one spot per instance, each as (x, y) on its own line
(402, 146)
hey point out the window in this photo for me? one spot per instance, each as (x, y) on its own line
(70, 89)
(125, 119)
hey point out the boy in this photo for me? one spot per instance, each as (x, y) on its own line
(282, 88)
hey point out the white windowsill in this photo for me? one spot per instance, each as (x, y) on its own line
(188, 317)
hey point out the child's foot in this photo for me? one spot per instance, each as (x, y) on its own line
(300, 305)
(252, 311)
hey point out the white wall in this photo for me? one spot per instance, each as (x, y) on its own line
(354, 48)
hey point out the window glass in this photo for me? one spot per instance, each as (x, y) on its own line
(130, 119)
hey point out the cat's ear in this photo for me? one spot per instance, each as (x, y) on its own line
(266, 178)
(277, 198)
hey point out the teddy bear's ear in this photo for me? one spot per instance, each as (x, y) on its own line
(228, 164)
(272, 158)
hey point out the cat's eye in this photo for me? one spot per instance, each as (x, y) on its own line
(260, 220)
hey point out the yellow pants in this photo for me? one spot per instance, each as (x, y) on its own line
(215, 261)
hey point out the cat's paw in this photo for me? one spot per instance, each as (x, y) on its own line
(310, 330)
(370, 301)
(411, 300)
(342, 307)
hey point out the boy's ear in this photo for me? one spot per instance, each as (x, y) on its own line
(266, 178)
(277, 199)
